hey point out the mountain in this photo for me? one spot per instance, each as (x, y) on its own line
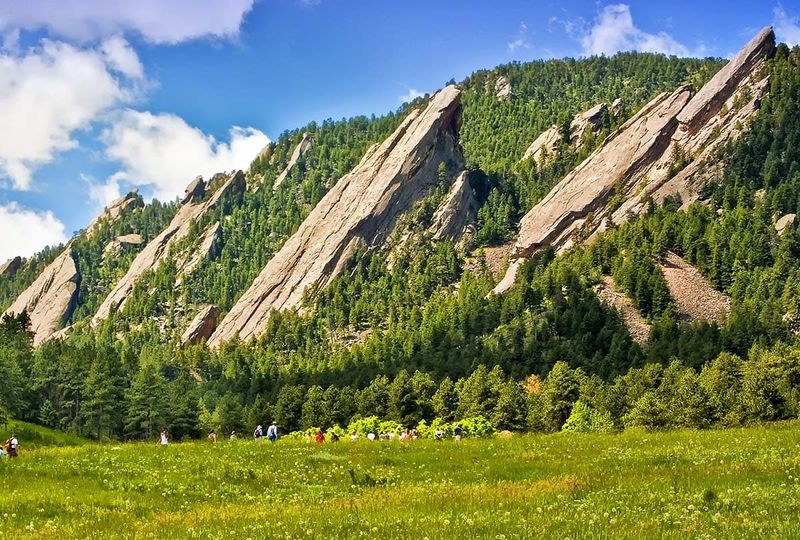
(561, 230)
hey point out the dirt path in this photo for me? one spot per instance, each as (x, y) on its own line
(694, 297)
(636, 324)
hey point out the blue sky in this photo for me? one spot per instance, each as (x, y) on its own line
(99, 96)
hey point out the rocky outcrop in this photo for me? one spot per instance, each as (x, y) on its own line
(194, 205)
(299, 151)
(202, 326)
(9, 268)
(781, 224)
(503, 89)
(638, 162)
(122, 242)
(547, 142)
(49, 300)
(456, 218)
(617, 107)
(360, 210)
(114, 209)
(208, 249)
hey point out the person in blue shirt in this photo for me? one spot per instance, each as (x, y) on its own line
(272, 432)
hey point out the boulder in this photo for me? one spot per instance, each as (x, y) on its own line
(635, 163)
(299, 151)
(360, 210)
(50, 299)
(9, 268)
(202, 326)
(503, 89)
(617, 107)
(122, 242)
(193, 207)
(456, 218)
(780, 225)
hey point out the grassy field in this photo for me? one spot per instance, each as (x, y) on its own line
(742, 483)
(38, 436)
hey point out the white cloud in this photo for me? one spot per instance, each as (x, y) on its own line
(100, 194)
(157, 21)
(411, 95)
(122, 58)
(521, 41)
(49, 92)
(27, 231)
(613, 31)
(165, 153)
(787, 28)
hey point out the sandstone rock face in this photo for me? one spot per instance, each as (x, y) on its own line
(546, 143)
(208, 249)
(194, 205)
(49, 300)
(617, 107)
(780, 225)
(113, 210)
(202, 326)
(121, 242)
(9, 268)
(299, 151)
(361, 209)
(503, 89)
(636, 162)
(457, 217)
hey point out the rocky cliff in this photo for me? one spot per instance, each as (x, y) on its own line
(360, 210)
(456, 218)
(663, 150)
(199, 199)
(547, 142)
(9, 268)
(299, 151)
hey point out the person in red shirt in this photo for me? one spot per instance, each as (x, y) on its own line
(320, 438)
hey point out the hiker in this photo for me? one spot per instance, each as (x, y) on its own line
(320, 438)
(212, 436)
(12, 446)
(457, 432)
(258, 433)
(233, 435)
(354, 437)
(438, 434)
(334, 437)
(415, 434)
(272, 432)
(164, 440)
(371, 436)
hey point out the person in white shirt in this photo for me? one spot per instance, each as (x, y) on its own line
(12, 445)
(272, 432)
(163, 438)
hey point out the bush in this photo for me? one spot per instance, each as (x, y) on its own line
(586, 419)
(364, 426)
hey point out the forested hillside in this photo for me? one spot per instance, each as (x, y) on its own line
(410, 332)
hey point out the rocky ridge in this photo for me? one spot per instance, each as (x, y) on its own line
(360, 210)
(638, 162)
(194, 205)
(547, 142)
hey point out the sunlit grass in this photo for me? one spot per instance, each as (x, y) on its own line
(739, 483)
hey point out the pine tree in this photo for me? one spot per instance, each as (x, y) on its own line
(146, 404)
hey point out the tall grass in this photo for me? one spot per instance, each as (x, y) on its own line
(738, 483)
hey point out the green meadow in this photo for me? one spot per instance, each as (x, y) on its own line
(736, 483)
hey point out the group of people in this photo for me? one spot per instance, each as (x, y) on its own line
(10, 448)
(408, 435)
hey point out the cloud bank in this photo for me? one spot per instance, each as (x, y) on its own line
(156, 21)
(26, 231)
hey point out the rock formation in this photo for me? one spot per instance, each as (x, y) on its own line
(299, 151)
(9, 268)
(547, 142)
(456, 218)
(503, 89)
(49, 300)
(638, 161)
(695, 298)
(122, 242)
(202, 326)
(780, 225)
(114, 209)
(360, 210)
(208, 249)
(193, 206)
